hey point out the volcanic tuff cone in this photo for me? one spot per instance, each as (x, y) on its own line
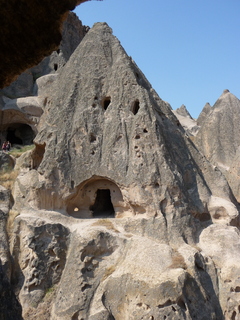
(219, 138)
(189, 124)
(105, 128)
(108, 146)
(205, 111)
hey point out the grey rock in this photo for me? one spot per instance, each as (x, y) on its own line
(39, 252)
(6, 203)
(218, 137)
(21, 87)
(189, 124)
(43, 82)
(107, 273)
(6, 161)
(204, 113)
(110, 149)
(182, 111)
(108, 120)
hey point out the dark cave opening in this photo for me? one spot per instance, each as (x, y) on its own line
(19, 133)
(12, 137)
(103, 205)
(135, 107)
(106, 102)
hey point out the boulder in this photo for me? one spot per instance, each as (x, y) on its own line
(6, 162)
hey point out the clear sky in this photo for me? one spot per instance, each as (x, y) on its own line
(189, 50)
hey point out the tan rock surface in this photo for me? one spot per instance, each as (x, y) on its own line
(117, 204)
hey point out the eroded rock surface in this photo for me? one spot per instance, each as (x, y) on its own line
(112, 272)
(118, 208)
(108, 120)
(218, 138)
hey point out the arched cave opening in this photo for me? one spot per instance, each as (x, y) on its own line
(102, 206)
(97, 197)
(19, 133)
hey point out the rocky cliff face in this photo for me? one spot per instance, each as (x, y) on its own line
(121, 217)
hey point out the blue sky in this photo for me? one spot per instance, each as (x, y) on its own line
(189, 50)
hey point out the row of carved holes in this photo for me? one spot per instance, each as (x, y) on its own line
(107, 100)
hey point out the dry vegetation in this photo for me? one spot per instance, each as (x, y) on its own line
(108, 272)
(105, 223)
(178, 261)
(7, 178)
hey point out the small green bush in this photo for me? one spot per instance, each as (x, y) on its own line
(18, 151)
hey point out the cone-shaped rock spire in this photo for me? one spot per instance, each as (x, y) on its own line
(105, 128)
(205, 111)
(218, 138)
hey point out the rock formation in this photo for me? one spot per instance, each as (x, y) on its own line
(189, 124)
(218, 138)
(126, 132)
(203, 115)
(22, 103)
(120, 215)
(42, 21)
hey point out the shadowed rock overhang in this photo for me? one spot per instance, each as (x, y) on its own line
(26, 41)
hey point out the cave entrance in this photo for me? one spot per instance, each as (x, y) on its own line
(19, 133)
(102, 206)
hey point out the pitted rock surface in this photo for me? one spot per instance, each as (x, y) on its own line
(121, 217)
(107, 126)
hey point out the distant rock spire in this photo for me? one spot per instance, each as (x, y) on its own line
(183, 111)
(205, 111)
